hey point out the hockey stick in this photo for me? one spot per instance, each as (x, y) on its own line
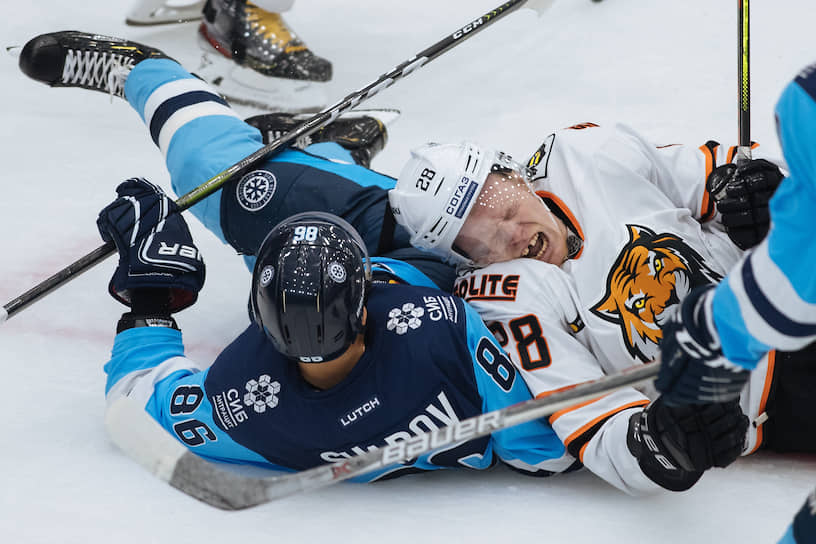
(316, 122)
(744, 76)
(141, 438)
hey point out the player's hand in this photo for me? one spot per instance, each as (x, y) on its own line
(675, 444)
(741, 192)
(156, 251)
(693, 369)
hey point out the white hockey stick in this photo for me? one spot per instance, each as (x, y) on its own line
(141, 438)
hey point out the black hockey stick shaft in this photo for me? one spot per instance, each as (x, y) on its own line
(316, 122)
(744, 76)
(142, 439)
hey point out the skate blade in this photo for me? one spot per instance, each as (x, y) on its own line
(246, 87)
(162, 12)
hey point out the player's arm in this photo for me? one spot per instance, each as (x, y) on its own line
(702, 179)
(769, 299)
(160, 272)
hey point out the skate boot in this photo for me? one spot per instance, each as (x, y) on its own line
(80, 59)
(253, 58)
(362, 135)
(161, 12)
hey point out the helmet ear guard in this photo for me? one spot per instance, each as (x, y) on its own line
(437, 189)
(309, 286)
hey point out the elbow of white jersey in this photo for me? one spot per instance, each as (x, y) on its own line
(607, 455)
(596, 435)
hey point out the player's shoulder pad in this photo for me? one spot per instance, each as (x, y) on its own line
(405, 308)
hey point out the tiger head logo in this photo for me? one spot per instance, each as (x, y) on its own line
(652, 273)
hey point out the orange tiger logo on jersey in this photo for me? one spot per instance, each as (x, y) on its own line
(652, 273)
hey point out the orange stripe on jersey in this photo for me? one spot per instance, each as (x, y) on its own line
(572, 408)
(568, 213)
(709, 150)
(597, 420)
(764, 399)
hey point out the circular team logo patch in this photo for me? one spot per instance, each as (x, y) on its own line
(266, 275)
(337, 272)
(256, 189)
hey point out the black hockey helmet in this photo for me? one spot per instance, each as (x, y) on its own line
(309, 286)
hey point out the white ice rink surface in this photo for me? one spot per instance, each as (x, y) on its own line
(667, 68)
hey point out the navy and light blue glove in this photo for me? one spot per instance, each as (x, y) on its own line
(160, 268)
(693, 369)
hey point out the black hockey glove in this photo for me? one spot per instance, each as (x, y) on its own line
(674, 445)
(160, 269)
(741, 192)
(693, 369)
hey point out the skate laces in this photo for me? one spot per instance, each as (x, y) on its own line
(271, 28)
(102, 71)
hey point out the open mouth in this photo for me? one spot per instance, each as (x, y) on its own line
(536, 246)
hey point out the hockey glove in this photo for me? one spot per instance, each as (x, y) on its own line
(159, 265)
(675, 444)
(693, 369)
(741, 192)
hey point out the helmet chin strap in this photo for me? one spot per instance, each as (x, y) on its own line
(574, 244)
(573, 241)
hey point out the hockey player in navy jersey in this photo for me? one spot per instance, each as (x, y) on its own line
(767, 301)
(343, 355)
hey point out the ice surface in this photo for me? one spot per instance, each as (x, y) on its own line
(667, 68)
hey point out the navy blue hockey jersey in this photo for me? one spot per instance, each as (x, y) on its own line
(429, 361)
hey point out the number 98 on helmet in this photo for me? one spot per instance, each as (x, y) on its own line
(309, 286)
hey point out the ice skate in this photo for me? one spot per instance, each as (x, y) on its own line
(252, 58)
(80, 59)
(160, 12)
(362, 133)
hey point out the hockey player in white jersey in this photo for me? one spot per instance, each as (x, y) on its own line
(578, 275)
(768, 300)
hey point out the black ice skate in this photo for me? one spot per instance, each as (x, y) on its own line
(80, 59)
(362, 135)
(253, 58)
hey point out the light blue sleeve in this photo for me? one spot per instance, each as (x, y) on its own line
(500, 385)
(148, 365)
(769, 299)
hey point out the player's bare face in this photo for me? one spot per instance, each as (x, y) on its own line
(508, 221)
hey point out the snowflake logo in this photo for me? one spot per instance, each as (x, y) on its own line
(407, 317)
(261, 393)
(256, 189)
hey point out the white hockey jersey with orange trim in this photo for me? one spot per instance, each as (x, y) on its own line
(649, 234)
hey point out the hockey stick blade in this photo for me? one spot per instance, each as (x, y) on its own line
(321, 119)
(142, 439)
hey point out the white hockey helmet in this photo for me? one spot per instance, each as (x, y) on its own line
(436, 190)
